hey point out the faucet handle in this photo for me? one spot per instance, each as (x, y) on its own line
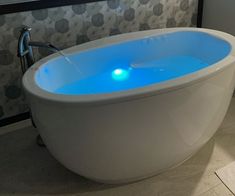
(25, 29)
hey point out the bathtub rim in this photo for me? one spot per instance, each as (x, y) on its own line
(31, 87)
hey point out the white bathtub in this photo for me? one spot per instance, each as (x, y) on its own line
(115, 135)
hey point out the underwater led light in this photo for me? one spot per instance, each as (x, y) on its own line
(120, 74)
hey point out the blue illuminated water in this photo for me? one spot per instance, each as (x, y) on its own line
(134, 76)
(131, 64)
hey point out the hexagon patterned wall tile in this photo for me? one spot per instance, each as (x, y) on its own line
(70, 25)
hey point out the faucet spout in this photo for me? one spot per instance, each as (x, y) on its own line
(46, 45)
(25, 50)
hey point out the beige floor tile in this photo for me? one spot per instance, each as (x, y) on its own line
(209, 193)
(222, 190)
(219, 190)
(227, 176)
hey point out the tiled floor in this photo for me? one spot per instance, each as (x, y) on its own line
(26, 169)
(227, 176)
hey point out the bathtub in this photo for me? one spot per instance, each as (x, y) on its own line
(131, 106)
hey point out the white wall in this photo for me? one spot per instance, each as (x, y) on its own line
(220, 15)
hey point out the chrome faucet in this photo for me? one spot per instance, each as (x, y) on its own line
(25, 51)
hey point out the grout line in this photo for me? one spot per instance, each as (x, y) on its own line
(224, 183)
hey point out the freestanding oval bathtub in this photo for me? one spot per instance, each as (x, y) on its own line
(132, 105)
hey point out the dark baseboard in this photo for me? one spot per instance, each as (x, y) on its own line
(14, 119)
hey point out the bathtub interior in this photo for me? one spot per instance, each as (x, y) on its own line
(131, 64)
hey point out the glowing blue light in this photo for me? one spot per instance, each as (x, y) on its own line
(46, 71)
(120, 74)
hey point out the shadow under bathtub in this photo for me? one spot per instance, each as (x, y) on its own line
(26, 168)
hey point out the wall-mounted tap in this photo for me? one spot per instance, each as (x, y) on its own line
(25, 51)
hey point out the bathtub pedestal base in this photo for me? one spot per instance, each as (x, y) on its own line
(40, 141)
